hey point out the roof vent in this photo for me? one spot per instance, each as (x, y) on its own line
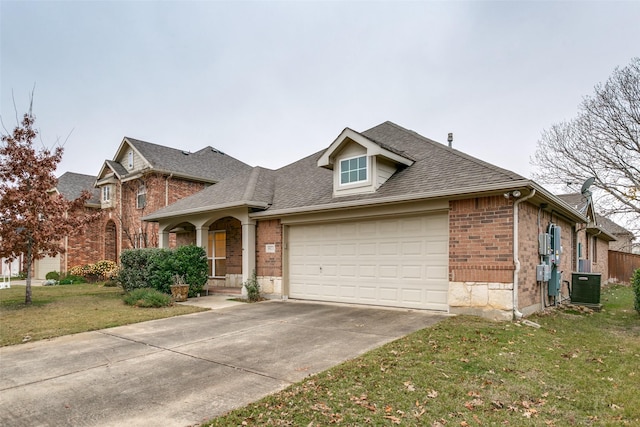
(215, 150)
(186, 153)
(450, 139)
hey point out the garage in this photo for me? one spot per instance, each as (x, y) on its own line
(46, 265)
(395, 262)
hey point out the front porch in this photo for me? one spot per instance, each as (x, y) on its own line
(229, 241)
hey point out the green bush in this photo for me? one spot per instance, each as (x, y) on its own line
(253, 288)
(191, 262)
(635, 283)
(52, 275)
(72, 280)
(155, 268)
(147, 297)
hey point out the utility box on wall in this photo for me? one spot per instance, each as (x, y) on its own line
(543, 273)
(585, 288)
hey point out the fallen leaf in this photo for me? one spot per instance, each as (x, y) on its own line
(432, 394)
(393, 419)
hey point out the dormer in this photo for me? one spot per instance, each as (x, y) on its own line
(359, 164)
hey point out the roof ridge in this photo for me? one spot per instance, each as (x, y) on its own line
(250, 189)
(458, 153)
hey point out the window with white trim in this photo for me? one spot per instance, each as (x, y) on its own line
(106, 193)
(141, 199)
(353, 170)
(217, 253)
(130, 159)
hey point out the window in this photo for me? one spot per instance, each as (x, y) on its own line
(130, 159)
(594, 258)
(141, 200)
(217, 253)
(353, 170)
(106, 193)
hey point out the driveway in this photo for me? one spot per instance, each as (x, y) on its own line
(185, 370)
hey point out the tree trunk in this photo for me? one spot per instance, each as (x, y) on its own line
(27, 295)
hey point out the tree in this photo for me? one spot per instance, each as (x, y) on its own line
(603, 141)
(34, 218)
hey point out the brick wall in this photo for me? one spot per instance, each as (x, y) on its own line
(481, 240)
(269, 232)
(233, 228)
(93, 245)
(530, 292)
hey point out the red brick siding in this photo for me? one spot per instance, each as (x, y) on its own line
(529, 291)
(481, 240)
(90, 247)
(233, 228)
(269, 232)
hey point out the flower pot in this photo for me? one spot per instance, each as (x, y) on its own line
(180, 292)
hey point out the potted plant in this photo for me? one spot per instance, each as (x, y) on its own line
(179, 289)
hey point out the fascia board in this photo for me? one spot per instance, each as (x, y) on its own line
(205, 209)
(184, 176)
(475, 190)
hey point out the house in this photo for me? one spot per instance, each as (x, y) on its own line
(388, 217)
(141, 178)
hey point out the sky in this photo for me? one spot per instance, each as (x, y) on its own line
(270, 82)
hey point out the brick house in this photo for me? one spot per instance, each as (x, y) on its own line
(388, 217)
(141, 178)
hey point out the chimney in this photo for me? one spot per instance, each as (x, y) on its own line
(450, 139)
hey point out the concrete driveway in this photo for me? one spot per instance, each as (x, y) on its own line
(188, 369)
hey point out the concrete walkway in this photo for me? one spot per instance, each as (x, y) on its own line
(185, 370)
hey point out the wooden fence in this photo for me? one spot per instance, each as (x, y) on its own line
(622, 265)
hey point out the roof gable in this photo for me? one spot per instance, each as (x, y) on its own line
(372, 147)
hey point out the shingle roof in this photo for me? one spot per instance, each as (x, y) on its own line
(70, 186)
(208, 163)
(252, 188)
(576, 200)
(117, 168)
(437, 168)
(611, 226)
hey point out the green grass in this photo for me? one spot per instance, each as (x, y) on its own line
(577, 369)
(63, 310)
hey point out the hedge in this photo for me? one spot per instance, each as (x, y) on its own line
(155, 268)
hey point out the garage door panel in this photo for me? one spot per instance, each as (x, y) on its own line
(399, 262)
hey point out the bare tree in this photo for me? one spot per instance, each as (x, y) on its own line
(603, 142)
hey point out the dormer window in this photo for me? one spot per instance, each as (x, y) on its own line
(106, 194)
(353, 170)
(130, 159)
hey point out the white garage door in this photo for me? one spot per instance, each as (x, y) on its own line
(398, 262)
(47, 264)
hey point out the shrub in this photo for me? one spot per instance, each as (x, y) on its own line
(191, 262)
(635, 283)
(147, 297)
(72, 280)
(52, 275)
(253, 288)
(155, 268)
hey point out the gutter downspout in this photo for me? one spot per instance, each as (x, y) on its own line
(516, 313)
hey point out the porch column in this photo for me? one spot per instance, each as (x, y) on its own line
(248, 252)
(163, 241)
(202, 236)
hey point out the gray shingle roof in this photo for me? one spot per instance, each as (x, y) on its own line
(71, 185)
(612, 227)
(252, 188)
(576, 200)
(208, 163)
(437, 168)
(117, 168)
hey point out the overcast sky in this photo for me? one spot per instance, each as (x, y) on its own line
(271, 82)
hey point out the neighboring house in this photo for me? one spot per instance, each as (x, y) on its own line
(387, 217)
(141, 178)
(624, 238)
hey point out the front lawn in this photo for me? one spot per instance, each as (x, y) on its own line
(68, 309)
(577, 369)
